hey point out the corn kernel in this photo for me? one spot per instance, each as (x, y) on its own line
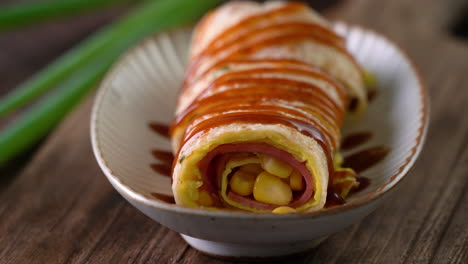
(284, 210)
(204, 199)
(295, 181)
(242, 182)
(252, 168)
(338, 160)
(271, 189)
(369, 80)
(275, 166)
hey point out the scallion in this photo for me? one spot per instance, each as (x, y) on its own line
(28, 13)
(85, 66)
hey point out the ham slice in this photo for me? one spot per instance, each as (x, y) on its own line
(206, 166)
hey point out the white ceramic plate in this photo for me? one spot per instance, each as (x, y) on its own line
(142, 88)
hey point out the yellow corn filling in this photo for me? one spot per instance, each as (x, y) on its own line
(188, 185)
(284, 210)
(242, 182)
(263, 178)
(296, 181)
(272, 190)
(268, 180)
(275, 166)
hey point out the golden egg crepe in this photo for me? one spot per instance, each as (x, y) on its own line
(258, 119)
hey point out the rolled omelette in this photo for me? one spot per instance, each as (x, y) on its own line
(257, 123)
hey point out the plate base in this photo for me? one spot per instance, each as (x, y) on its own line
(235, 250)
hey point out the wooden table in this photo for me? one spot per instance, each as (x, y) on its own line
(57, 207)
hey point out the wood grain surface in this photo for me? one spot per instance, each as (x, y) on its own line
(59, 208)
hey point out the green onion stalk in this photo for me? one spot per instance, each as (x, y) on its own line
(30, 13)
(81, 69)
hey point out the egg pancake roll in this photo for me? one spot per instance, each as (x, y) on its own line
(257, 123)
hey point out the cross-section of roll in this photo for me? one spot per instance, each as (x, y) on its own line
(258, 119)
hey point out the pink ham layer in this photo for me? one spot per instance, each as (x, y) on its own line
(210, 186)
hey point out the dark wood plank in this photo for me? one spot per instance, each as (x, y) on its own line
(426, 200)
(61, 209)
(451, 248)
(25, 51)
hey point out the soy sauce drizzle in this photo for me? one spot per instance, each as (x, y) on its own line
(166, 157)
(163, 169)
(333, 198)
(371, 94)
(353, 103)
(365, 159)
(166, 170)
(164, 197)
(358, 161)
(355, 139)
(160, 129)
(363, 184)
